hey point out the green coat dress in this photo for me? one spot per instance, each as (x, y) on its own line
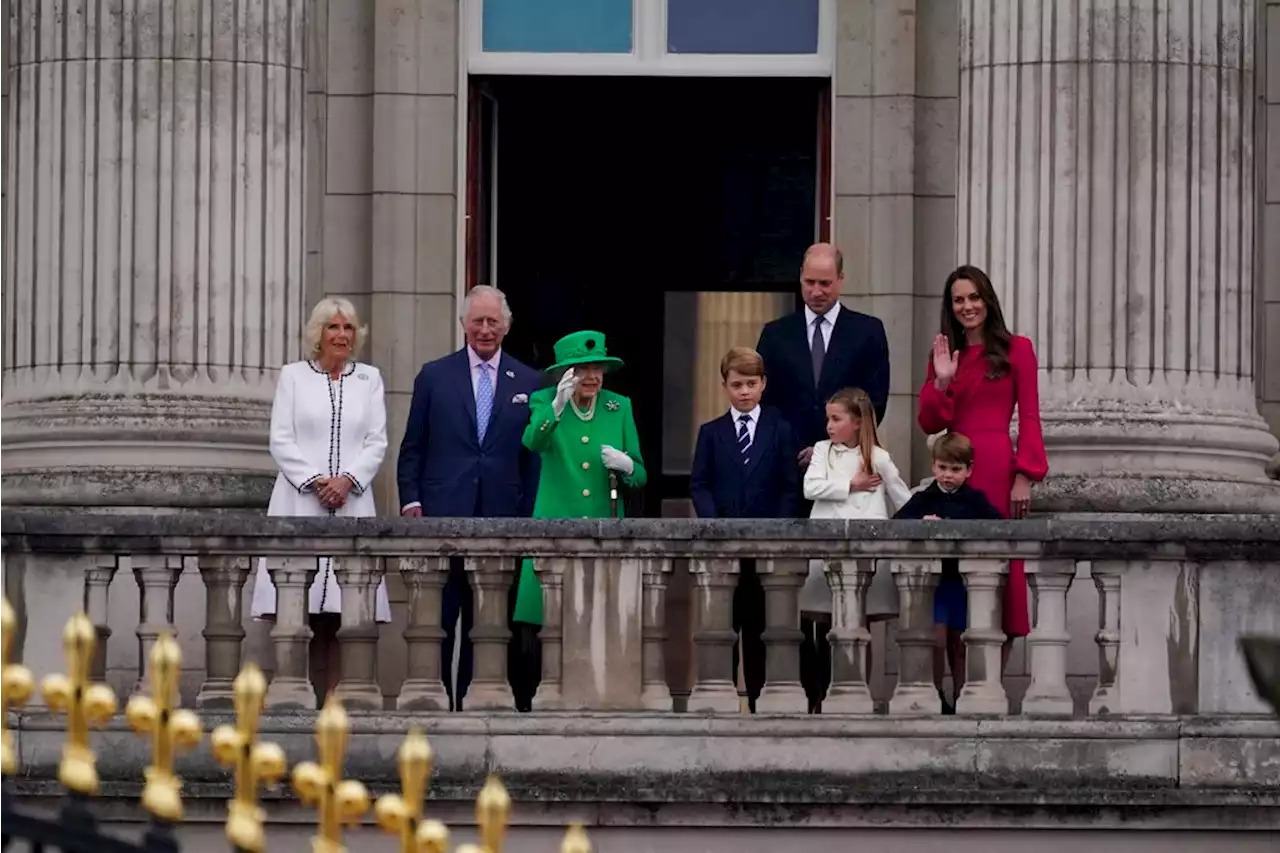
(574, 482)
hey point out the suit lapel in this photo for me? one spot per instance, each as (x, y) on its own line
(462, 383)
(502, 391)
(727, 435)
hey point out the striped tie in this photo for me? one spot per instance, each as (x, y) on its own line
(744, 438)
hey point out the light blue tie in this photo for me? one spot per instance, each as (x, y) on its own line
(484, 402)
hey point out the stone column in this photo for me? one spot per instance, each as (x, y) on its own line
(713, 635)
(291, 635)
(983, 691)
(224, 579)
(655, 694)
(491, 580)
(850, 638)
(914, 693)
(1047, 695)
(97, 606)
(153, 248)
(1106, 184)
(358, 578)
(157, 576)
(551, 573)
(424, 579)
(782, 692)
(1106, 696)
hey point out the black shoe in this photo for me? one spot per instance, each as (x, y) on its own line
(948, 708)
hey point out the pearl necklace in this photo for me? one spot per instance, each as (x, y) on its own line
(588, 414)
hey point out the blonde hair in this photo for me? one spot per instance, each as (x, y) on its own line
(742, 360)
(326, 309)
(857, 403)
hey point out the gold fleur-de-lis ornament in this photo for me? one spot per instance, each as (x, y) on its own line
(401, 814)
(493, 810)
(84, 703)
(575, 840)
(254, 763)
(338, 801)
(18, 686)
(171, 729)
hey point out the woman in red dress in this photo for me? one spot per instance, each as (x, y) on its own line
(978, 373)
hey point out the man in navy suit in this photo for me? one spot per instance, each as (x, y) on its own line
(462, 454)
(814, 352)
(808, 356)
(744, 467)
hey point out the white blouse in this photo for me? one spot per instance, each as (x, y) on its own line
(826, 483)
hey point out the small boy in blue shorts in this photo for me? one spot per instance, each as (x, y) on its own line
(950, 496)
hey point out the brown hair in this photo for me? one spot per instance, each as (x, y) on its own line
(857, 403)
(996, 336)
(953, 449)
(743, 360)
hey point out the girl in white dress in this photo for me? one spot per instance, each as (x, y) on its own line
(842, 484)
(328, 438)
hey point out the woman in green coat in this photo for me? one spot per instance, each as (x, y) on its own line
(582, 432)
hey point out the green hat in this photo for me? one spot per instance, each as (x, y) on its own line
(583, 348)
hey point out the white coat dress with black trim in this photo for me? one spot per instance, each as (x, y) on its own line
(324, 427)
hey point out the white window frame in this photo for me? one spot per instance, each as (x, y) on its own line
(649, 56)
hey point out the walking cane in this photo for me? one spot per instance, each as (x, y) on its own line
(613, 494)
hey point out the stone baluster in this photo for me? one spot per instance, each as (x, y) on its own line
(1048, 696)
(782, 693)
(551, 572)
(491, 580)
(983, 691)
(291, 635)
(713, 635)
(97, 594)
(358, 578)
(157, 576)
(850, 638)
(914, 692)
(655, 693)
(423, 690)
(1106, 696)
(224, 578)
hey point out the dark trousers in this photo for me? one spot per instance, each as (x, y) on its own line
(524, 658)
(749, 623)
(815, 659)
(457, 599)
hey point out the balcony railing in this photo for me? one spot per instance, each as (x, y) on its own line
(1171, 598)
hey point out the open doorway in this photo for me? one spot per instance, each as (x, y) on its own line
(669, 213)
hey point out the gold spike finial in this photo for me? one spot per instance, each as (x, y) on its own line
(18, 685)
(401, 813)
(339, 801)
(493, 809)
(254, 763)
(575, 840)
(85, 705)
(171, 729)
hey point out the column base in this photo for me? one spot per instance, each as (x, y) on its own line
(909, 698)
(1158, 494)
(1047, 704)
(982, 699)
(422, 694)
(287, 693)
(216, 693)
(787, 697)
(849, 699)
(714, 697)
(359, 694)
(548, 697)
(490, 696)
(656, 696)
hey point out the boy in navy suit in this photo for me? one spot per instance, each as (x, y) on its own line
(950, 496)
(744, 467)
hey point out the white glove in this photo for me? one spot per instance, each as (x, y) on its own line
(564, 391)
(616, 460)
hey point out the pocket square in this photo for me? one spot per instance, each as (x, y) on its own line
(520, 398)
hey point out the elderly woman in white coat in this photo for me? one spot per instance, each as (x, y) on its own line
(328, 438)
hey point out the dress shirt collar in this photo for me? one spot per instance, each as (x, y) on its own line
(754, 414)
(474, 359)
(830, 316)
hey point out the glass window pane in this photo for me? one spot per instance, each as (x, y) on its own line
(557, 26)
(742, 26)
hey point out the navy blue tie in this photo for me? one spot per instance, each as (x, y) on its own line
(744, 438)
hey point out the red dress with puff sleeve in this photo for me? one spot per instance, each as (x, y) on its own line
(981, 409)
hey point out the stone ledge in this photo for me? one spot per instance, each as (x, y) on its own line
(801, 761)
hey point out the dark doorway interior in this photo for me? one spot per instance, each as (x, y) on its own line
(612, 192)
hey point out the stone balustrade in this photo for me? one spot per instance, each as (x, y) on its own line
(1172, 594)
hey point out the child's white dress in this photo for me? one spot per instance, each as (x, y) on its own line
(826, 483)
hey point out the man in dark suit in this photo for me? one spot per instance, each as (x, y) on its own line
(808, 356)
(462, 455)
(744, 467)
(814, 352)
